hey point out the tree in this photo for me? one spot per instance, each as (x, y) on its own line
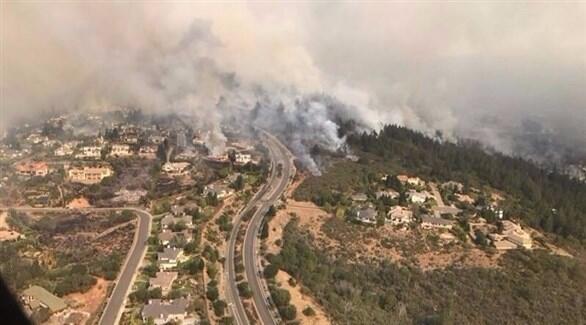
(155, 293)
(238, 184)
(308, 311)
(270, 271)
(480, 238)
(212, 270)
(244, 290)
(264, 231)
(190, 247)
(281, 297)
(288, 312)
(212, 293)
(232, 156)
(194, 265)
(219, 307)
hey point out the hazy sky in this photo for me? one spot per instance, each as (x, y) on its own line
(482, 70)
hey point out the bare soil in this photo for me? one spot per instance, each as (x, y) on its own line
(301, 301)
(90, 301)
(6, 232)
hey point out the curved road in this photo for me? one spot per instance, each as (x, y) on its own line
(262, 201)
(115, 305)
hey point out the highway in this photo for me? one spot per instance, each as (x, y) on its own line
(115, 305)
(262, 201)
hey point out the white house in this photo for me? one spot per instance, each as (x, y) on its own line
(391, 194)
(148, 152)
(366, 215)
(90, 152)
(120, 150)
(399, 215)
(175, 168)
(243, 158)
(221, 191)
(517, 235)
(428, 222)
(169, 258)
(417, 197)
(89, 174)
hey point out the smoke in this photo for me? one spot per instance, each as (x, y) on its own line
(511, 76)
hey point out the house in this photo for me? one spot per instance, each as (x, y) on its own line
(163, 312)
(66, 149)
(129, 196)
(167, 221)
(439, 211)
(130, 138)
(414, 181)
(453, 186)
(169, 258)
(500, 242)
(163, 280)
(359, 197)
(399, 215)
(36, 138)
(366, 215)
(243, 158)
(32, 168)
(175, 168)
(186, 234)
(219, 190)
(120, 150)
(166, 236)
(90, 152)
(148, 152)
(186, 220)
(89, 174)
(428, 222)
(417, 197)
(391, 194)
(35, 297)
(516, 234)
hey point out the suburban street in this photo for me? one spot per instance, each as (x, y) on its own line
(267, 196)
(115, 304)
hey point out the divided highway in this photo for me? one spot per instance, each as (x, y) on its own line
(271, 192)
(115, 304)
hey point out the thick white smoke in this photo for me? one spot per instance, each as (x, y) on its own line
(468, 70)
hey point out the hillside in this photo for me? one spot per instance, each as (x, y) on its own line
(545, 200)
(375, 271)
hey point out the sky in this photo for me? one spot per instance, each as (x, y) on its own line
(512, 76)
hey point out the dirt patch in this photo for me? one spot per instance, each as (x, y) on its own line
(470, 258)
(276, 226)
(79, 203)
(301, 301)
(6, 232)
(90, 300)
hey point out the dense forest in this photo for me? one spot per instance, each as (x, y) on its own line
(528, 288)
(545, 199)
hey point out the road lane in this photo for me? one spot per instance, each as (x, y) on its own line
(269, 193)
(279, 183)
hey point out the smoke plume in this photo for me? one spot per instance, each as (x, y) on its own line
(511, 76)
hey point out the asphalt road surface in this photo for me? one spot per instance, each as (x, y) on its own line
(115, 304)
(266, 197)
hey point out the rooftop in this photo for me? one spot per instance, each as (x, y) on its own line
(46, 298)
(157, 308)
